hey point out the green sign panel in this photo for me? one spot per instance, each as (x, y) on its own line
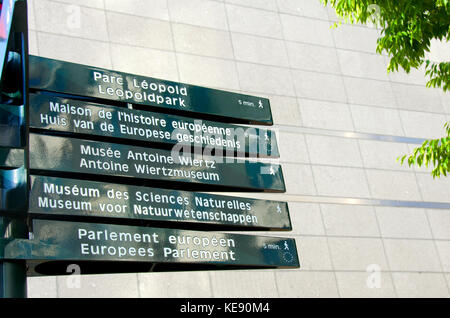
(61, 154)
(12, 128)
(69, 197)
(63, 77)
(68, 115)
(59, 240)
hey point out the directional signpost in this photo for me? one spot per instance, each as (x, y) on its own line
(53, 113)
(89, 199)
(71, 155)
(97, 83)
(90, 242)
(112, 171)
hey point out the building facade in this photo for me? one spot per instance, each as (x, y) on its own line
(365, 226)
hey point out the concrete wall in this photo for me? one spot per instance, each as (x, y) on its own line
(341, 119)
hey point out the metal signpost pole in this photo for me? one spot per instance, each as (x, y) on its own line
(14, 99)
(13, 277)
